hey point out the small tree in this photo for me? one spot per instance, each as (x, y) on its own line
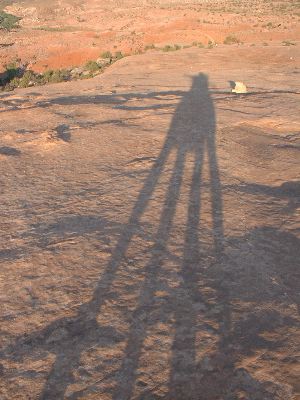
(8, 21)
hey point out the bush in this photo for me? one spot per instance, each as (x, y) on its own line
(171, 48)
(92, 66)
(12, 71)
(231, 40)
(106, 54)
(46, 76)
(8, 21)
(26, 79)
(167, 48)
(9, 78)
(56, 76)
(149, 47)
(11, 85)
(288, 43)
(198, 44)
(268, 25)
(118, 55)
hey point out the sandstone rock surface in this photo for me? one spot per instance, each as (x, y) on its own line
(150, 231)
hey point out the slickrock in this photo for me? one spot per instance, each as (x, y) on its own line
(149, 225)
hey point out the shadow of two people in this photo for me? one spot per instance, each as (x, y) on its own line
(191, 135)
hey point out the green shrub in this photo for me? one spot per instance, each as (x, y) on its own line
(60, 75)
(57, 28)
(92, 66)
(46, 76)
(8, 21)
(11, 85)
(12, 70)
(288, 43)
(28, 77)
(231, 40)
(118, 55)
(198, 44)
(106, 54)
(268, 25)
(167, 48)
(149, 47)
(56, 76)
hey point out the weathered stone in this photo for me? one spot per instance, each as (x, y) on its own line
(102, 62)
(239, 87)
(77, 71)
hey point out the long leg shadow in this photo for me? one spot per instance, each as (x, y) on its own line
(61, 374)
(183, 360)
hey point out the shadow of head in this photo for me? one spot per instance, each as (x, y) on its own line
(9, 151)
(200, 81)
(63, 132)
